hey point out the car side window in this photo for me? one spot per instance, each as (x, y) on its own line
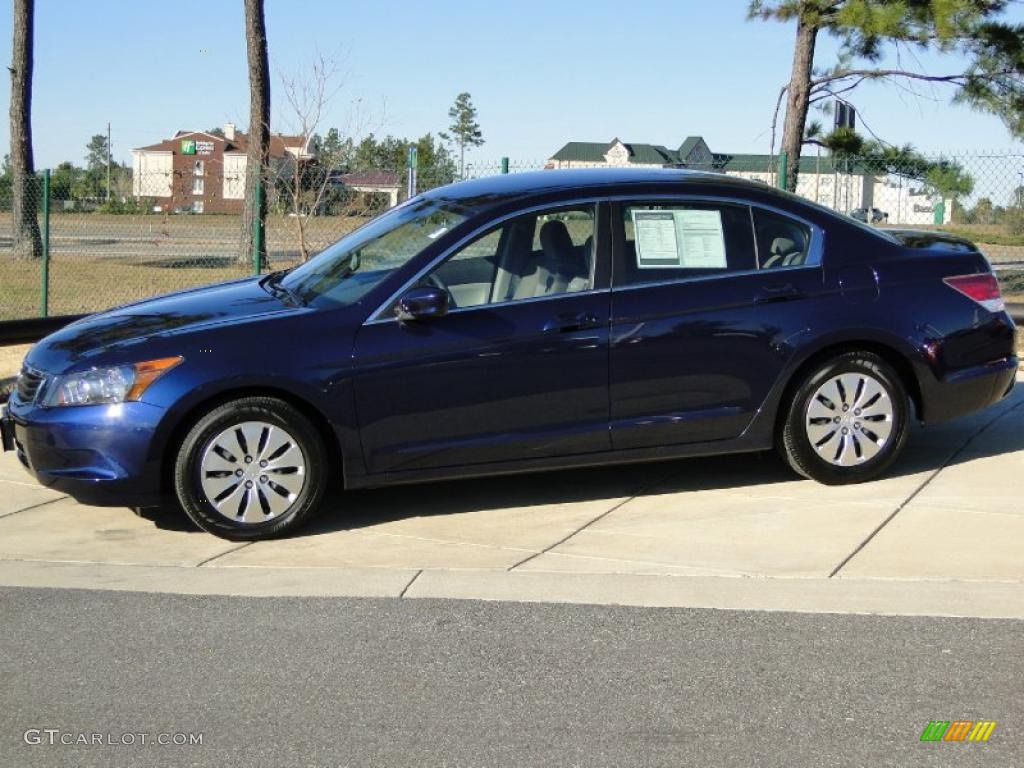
(530, 256)
(781, 241)
(469, 274)
(674, 241)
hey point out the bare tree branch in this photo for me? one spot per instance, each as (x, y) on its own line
(775, 121)
(880, 74)
(307, 178)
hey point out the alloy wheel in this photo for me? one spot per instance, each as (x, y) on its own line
(849, 419)
(252, 472)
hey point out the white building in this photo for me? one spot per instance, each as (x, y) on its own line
(842, 186)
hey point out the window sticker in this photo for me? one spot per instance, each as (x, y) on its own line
(702, 238)
(656, 245)
(679, 239)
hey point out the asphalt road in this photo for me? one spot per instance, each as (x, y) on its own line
(332, 682)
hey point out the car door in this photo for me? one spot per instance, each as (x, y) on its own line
(518, 367)
(703, 314)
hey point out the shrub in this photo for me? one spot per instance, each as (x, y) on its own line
(1014, 221)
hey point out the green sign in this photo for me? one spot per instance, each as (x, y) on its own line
(188, 146)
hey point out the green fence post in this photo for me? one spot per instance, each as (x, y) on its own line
(257, 230)
(783, 169)
(45, 308)
(504, 165)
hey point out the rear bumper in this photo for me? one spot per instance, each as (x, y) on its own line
(100, 455)
(968, 390)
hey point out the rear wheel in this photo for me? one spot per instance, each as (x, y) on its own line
(252, 468)
(847, 421)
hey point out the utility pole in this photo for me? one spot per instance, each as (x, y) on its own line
(411, 191)
(108, 162)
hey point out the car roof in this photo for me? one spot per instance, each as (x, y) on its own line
(495, 189)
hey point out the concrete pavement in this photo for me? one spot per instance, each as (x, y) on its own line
(941, 535)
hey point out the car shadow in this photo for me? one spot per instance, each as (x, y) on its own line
(352, 510)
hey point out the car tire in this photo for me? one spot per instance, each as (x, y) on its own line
(252, 468)
(846, 421)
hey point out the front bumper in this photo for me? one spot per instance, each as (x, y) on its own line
(6, 432)
(103, 455)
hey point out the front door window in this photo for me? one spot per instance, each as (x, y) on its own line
(532, 256)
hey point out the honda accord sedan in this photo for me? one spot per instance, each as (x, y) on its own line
(523, 322)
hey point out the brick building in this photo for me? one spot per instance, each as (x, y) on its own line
(201, 172)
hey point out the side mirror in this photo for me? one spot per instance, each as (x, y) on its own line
(422, 303)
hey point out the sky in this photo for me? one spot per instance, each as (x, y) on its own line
(540, 74)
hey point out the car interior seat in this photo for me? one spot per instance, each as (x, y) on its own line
(787, 251)
(567, 267)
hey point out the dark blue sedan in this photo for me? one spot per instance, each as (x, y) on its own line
(522, 322)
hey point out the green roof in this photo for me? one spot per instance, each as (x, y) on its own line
(657, 154)
(581, 152)
(594, 152)
(651, 153)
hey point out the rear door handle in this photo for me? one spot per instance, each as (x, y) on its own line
(776, 293)
(568, 322)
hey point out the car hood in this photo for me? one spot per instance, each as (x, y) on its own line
(163, 316)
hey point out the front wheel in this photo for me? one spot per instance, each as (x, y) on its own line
(847, 421)
(252, 468)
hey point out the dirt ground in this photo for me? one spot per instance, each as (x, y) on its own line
(10, 364)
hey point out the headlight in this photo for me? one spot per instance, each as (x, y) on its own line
(107, 385)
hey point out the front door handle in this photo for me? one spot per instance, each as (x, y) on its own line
(783, 292)
(568, 322)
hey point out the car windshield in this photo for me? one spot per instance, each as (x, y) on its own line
(343, 273)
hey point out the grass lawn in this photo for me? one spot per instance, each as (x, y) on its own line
(81, 285)
(100, 261)
(982, 233)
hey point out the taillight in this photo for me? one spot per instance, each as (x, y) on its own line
(983, 288)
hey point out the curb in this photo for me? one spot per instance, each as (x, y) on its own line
(989, 600)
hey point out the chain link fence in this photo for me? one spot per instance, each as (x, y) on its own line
(976, 195)
(162, 232)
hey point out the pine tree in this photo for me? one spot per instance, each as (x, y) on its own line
(27, 241)
(464, 130)
(867, 29)
(259, 130)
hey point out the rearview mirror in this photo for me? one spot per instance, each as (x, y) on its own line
(422, 303)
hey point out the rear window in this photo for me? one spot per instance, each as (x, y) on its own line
(781, 241)
(831, 215)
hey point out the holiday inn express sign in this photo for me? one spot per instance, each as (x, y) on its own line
(193, 147)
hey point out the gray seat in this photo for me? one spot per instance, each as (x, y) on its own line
(787, 251)
(561, 268)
